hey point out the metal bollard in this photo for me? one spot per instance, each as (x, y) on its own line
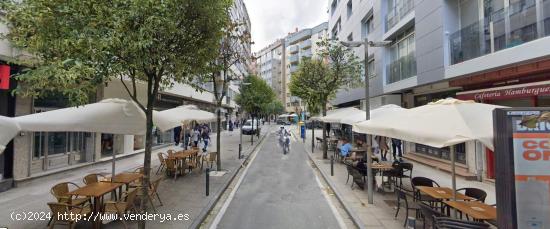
(332, 165)
(207, 181)
(240, 150)
(411, 223)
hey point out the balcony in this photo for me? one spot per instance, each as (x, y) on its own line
(402, 68)
(305, 44)
(492, 34)
(294, 59)
(294, 49)
(306, 53)
(293, 68)
(396, 14)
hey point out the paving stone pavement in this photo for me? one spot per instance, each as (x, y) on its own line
(186, 195)
(381, 213)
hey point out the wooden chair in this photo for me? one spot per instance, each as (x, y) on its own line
(171, 152)
(121, 207)
(162, 157)
(59, 191)
(59, 210)
(151, 193)
(92, 178)
(172, 167)
(210, 158)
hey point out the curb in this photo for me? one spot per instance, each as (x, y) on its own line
(205, 211)
(338, 194)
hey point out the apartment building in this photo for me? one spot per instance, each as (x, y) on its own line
(491, 51)
(33, 154)
(298, 45)
(271, 65)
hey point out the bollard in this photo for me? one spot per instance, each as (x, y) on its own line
(207, 181)
(240, 149)
(411, 223)
(332, 165)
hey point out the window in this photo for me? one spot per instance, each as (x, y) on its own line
(336, 29)
(366, 27)
(350, 8)
(402, 58)
(372, 70)
(333, 6)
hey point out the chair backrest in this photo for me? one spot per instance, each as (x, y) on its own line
(130, 198)
(161, 157)
(170, 152)
(58, 209)
(140, 170)
(475, 193)
(212, 156)
(170, 164)
(402, 195)
(407, 166)
(450, 223)
(59, 191)
(90, 179)
(423, 181)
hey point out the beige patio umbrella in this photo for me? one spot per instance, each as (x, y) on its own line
(113, 116)
(357, 115)
(171, 118)
(9, 128)
(439, 124)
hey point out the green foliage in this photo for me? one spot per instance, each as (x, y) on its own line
(255, 95)
(76, 45)
(273, 108)
(318, 79)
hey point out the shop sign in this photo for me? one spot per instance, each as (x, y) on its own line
(4, 77)
(509, 93)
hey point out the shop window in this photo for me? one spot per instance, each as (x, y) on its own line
(57, 143)
(443, 153)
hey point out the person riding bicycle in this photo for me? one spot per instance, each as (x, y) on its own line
(284, 138)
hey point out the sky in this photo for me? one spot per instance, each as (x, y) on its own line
(273, 19)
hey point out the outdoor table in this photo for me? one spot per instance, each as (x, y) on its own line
(475, 209)
(380, 168)
(442, 193)
(183, 155)
(125, 178)
(96, 191)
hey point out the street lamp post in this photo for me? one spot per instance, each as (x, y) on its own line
(241, 123)
(366, 43)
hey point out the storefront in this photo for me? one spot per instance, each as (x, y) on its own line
(7, 108)
(535, 94)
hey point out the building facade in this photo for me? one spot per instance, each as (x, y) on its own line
(491, 51)
(33, 154)
(271, 65)
(298, 45)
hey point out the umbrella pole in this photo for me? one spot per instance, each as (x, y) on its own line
(453, 173)
(113, 164)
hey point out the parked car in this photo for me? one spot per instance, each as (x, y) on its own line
(247, 127)
(283, 122)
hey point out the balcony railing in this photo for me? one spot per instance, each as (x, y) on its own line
(293, 49)
(395, 15)
(305, 44)
(403, 68)
(492, 33)
(293, 68)
(294, 58)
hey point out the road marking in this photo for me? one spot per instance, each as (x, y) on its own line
(327, 198)
(225, 205)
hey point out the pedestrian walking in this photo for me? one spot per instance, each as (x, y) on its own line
(383, 147)
(186, 137)
(396, 147)
(206, 138)
(177, 135)
(195, 136)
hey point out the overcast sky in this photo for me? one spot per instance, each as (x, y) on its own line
(273, 19)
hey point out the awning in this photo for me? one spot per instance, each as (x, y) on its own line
(171, 118)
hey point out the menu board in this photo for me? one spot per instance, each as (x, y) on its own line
(531, 155)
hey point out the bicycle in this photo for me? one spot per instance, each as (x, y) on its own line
(284, 141)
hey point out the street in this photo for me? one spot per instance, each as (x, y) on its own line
(279, 191)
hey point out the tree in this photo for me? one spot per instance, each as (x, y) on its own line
(275, 107)
(229, 54)
(77, 46)
(255, 96)
(317, 80)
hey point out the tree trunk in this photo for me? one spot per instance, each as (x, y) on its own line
(252, 132)
(218, 140)
(147, 158)
(325, 145)
(312, 136)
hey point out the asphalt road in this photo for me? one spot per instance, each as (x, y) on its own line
(279, 191)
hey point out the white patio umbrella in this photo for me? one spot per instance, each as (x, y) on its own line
(357, 115)
(171, 118)
(439, 124)
(9, 128)
(113, 116)
(336, 115)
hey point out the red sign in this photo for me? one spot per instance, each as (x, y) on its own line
(4, 77)
(509, 93)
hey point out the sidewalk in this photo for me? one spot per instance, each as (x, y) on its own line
(381, 213)
(186, 195)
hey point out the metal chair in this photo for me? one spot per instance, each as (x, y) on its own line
(428, 214)
(450, 223)
(423, 181)
(474, 193)
(402, 195)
